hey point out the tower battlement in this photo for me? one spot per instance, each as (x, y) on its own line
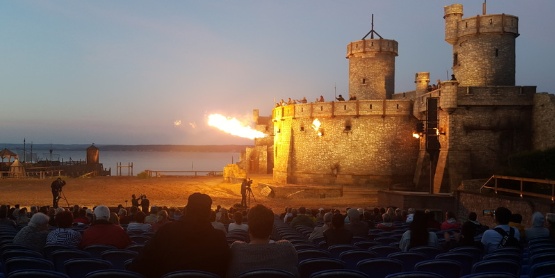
(332, 109)
(483, 47)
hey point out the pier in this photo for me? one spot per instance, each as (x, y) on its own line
(192, 173)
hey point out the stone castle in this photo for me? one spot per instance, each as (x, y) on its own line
(467, 126)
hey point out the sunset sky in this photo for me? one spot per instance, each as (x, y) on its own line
(150, 72)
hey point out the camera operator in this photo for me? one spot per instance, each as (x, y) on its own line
(245, 186)
(56, 191)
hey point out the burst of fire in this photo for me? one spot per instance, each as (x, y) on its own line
(233, 127)
(316, 124)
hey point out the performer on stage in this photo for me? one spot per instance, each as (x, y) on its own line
(57, 190)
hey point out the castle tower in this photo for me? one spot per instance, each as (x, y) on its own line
(372, 67)
(483, 47)
(422, 80)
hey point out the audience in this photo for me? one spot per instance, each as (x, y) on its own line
(355, 225)
(319, 230)
(538, 229)
(5, 222)
(470, 229)
(387, 224)
(102, 231)
(64, 234)
(137, 223)
(516, 222)
(261, 252)
(194, 240)
(450, 222)
(188, 243)
(238, 224)
(337, 234)
(161, 220)
(418, 234)
(492, 238)
(303, 219)
(33, 236)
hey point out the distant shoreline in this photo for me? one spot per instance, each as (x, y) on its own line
(159, 148)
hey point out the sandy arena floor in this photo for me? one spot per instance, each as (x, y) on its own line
(164, 191)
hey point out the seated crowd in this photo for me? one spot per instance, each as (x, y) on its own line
(230, 242)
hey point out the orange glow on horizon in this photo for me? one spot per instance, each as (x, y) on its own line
(233, 127)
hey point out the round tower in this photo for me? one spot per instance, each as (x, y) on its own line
(421, 80)
(483, 47)
(453, 15)
(92, 155)
(372, 67)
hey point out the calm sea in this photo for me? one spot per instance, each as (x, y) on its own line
(148, 160)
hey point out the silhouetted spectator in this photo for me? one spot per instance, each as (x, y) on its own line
(189, 243)
(33, 236)
(337, 234)
(418, 234)
(355, 225)
(102, 231)
(538, 229)
(261, 252)
(64, 234)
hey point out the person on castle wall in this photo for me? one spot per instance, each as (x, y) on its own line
(56, 187)
(353, 97)
(290, 101)
(340, 98)
(321, 99)
(303, 100)
(453, 77)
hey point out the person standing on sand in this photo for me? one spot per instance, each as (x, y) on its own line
(56, 187)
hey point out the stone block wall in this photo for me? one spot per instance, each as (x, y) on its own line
(543, 116)
(374, 150)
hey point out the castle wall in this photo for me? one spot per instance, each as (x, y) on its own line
(362, 142)
(481, 131)
(544, 121)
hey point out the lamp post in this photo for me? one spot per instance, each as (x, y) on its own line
(432, 140)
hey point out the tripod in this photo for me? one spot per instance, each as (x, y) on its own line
(63, 196)
(249, 194)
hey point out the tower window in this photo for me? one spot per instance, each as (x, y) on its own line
(344, 107)
(363, 80)
(371, 43)
(302, 109)
(497, 52)
(455, 59)
(490, 21)
(466, 24)
(370, 106)
(321, 108)
(397, 106)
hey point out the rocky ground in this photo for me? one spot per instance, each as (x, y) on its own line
(173, 191)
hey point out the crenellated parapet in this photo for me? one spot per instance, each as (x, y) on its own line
(369, 48)
(452, 96)
(332, 109)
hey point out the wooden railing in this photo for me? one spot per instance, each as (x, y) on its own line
(525, 186)
(161, 173)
